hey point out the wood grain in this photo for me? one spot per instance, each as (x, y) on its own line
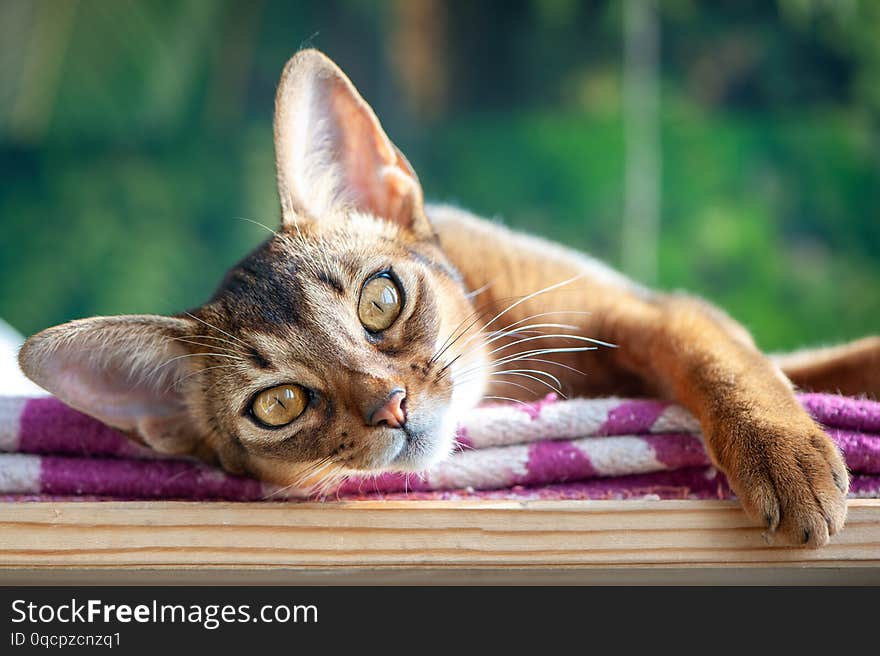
(412, 534)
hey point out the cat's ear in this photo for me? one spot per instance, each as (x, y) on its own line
(331, 152)
(122, 370)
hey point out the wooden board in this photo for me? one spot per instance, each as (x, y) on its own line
(415, 541)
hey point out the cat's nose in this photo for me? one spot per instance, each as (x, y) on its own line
(392, 412)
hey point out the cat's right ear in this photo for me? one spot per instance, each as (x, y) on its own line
(124, 371)
(331, 153)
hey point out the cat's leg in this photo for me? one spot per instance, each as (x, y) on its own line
(852, 369)
(785, 470)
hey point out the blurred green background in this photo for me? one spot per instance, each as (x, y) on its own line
(136, 135)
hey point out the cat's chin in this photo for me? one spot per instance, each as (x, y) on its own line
(423, 449)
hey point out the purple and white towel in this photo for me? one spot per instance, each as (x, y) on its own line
(572, 449)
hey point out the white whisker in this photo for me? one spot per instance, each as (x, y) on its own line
(203, 355)
(476, 315)
(528, 297)
(510, 382)
(557, 364)
(495, 336)
(536, 316)
(505, 398)
(217, 339)
(477, 292)
(578, 338)
(257, 223)
(534, 378)
(531, 371)
(220, 330)
(203, 345)
(514, 357)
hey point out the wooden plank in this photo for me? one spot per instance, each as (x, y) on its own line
(427, 535)
(534, 575)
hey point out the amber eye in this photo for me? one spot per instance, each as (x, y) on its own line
(379, 304)
(278, 406)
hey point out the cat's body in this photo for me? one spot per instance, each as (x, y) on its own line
(506, 264)
(355, 335)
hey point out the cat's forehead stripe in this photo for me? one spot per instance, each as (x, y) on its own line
(258, 357)
(330, 280)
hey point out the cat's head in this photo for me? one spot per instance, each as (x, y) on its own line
(323, 350)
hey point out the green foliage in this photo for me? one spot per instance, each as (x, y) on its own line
(773, 217)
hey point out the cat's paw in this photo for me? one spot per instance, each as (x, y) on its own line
(793, 480)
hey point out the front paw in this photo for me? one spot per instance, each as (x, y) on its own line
(792, 479)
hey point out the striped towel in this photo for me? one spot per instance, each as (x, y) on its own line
(607, 448)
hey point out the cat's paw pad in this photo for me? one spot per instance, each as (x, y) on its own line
(795, 485)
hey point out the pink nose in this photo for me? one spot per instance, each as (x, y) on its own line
(393, 412)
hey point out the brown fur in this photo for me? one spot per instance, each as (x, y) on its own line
(473, 291)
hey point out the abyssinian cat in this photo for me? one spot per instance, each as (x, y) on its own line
(355, 335)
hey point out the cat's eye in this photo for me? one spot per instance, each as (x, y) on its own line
(380, 303)
(278, 406)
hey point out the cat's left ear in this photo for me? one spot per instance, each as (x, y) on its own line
(125, 371)
(332, 154)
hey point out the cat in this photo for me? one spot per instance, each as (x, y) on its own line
(352, 338)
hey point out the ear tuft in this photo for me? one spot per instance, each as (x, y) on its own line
(121, 370)
(331, 153)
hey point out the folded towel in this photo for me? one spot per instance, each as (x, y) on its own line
(550, 449)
